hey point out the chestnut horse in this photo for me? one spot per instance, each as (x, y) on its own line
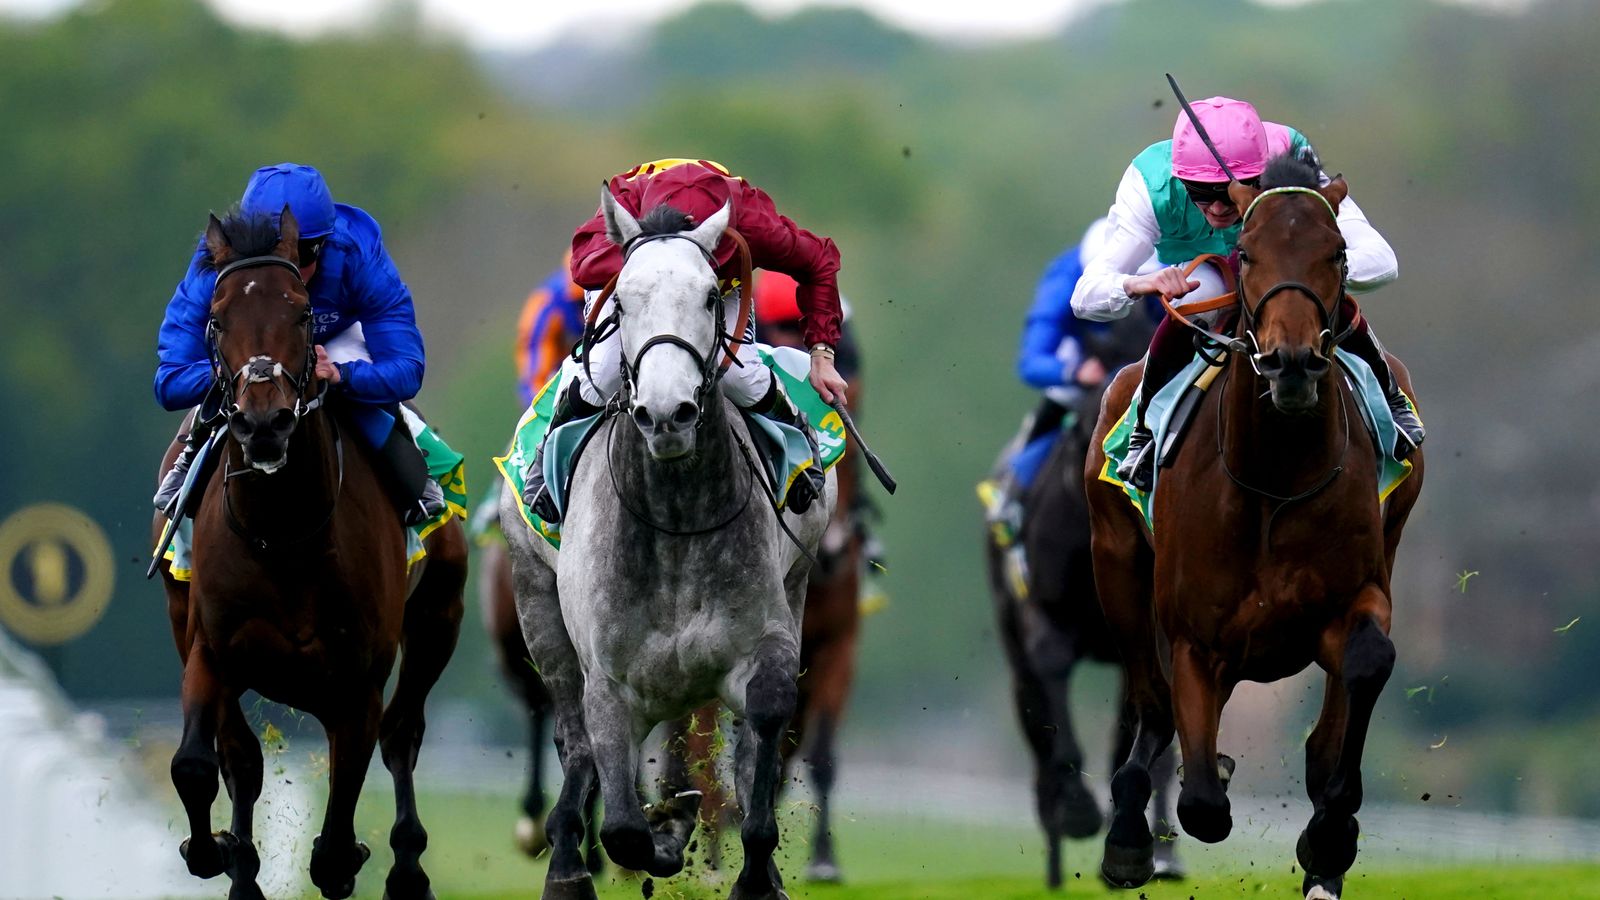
(1272, 550)
(300, 586)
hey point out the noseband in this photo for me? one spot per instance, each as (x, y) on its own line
(597, 329)
(1250, 314)
(258, 369)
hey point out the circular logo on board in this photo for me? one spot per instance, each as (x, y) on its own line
(56, 573)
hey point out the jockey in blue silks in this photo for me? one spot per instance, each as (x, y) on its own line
(367, 343)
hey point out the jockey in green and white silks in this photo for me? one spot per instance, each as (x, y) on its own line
(1173, 200)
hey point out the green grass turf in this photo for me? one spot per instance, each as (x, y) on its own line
(470, 855)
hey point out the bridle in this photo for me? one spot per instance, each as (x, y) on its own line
(1250, 314)
(597, 329)
(261, 368)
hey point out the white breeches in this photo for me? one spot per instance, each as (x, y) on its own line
(743, 384)
(349, 346)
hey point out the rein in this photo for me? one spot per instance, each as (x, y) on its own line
(611, 466)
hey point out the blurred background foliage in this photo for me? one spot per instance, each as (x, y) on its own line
(949, 175)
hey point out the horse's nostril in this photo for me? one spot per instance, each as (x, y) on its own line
(282, 421)
(641, 417)
(685, 414)
(1317, 365)
(239, 425)
(1270, 362)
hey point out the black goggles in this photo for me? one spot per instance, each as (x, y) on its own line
(311, 250)
(1206, 193)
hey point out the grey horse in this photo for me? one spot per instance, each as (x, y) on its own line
(674, 585)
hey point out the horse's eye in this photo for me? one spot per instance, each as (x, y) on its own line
(1244, 258)
(712, 296)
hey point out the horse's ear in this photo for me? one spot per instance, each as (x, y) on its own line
(621, 226)
(217, 245)
(709, 233)
(1334, 192)
(288, 237)
(1242, 195)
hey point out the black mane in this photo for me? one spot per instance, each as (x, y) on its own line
(249, 234)
(664, 219)
(1289, 170)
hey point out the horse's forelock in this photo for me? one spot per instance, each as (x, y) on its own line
(665, 219)
(1288, 170)
(248, 234)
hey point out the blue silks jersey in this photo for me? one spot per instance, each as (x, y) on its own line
(355, 281)
(1052, 348)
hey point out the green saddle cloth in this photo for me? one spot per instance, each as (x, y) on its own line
(1375, 414)
(782, 449)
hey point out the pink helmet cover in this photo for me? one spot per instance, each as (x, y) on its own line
(1244, 141)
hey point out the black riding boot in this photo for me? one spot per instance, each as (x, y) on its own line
(570, 405)
(416, 495)
(1364, 343)
(807, 488)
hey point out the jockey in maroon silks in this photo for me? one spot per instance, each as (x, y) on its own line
(698, 189)
(1173, 200)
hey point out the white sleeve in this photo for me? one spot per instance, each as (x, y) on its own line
(1131, 238)
(1372, 261)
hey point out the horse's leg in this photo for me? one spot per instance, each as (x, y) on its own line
(1123, 567)
(830, 670)
(1197, 700)
(692, 764)
(432, 623)
(616, 732)
(242, 771)
(1162, 822)
(195, 766)
(530, 835)
(1032, 703)
(336, 855)
(769, 701)
(1358, 652)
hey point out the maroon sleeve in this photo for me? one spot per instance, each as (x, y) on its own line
(777, 243)
(595, 260)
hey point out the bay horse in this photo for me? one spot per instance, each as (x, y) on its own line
(1058, 625)
(498, 604)
(675, 583)
(299, 585)
(1271, 548)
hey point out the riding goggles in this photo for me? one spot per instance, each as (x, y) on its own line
(1205, 193)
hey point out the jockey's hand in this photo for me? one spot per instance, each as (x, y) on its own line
(1091, 373)
(825, 378)
(325, 368)
(1168, 281)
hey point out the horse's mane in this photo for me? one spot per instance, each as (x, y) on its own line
(249, 234)
(664, 219)
(1288, 170)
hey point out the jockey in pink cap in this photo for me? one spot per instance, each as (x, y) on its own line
(1173, 200)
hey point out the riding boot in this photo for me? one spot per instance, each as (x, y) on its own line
(1171, 348)
(172, 482)
(1364, 343)
(570, 405)
(1138, 467)
(807, 488)
(418, 497)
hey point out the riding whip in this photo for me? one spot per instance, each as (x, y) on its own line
(877, 466)
(1198, 128)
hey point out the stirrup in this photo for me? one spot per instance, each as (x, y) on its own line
(1138, 467)
(428, 507)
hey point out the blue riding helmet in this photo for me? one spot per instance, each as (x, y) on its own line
(301, 187)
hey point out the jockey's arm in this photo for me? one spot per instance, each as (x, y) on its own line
(1040, 362)
(184, 373)
(389, 323)
(1132, 232)
(1372, 260)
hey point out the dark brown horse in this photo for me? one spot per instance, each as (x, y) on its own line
(1059, 624)
(300, 586)
(499, 606)
(1271, 552)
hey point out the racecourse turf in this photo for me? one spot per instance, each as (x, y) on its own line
(470, 855)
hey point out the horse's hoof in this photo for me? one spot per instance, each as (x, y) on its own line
(1127, 867)
(531, 838)
(1341, 857)
(1079, 815)
(1210, 822)
(739, 893)
(1168, 868)
(346, 885)
(428, 895)
(824, 872)
(1322, 888)
(580, 888)
(209, 862)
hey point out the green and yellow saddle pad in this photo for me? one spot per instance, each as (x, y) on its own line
(1374, 413)
(445, 466)
(783, 449)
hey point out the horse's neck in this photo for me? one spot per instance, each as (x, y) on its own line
(301, 491)
(1274, 451)
(684, 493)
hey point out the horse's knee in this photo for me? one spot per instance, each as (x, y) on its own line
(770, 699)
(1369, 658)
(195, 774)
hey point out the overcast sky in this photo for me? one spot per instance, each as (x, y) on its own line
(522, 23)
